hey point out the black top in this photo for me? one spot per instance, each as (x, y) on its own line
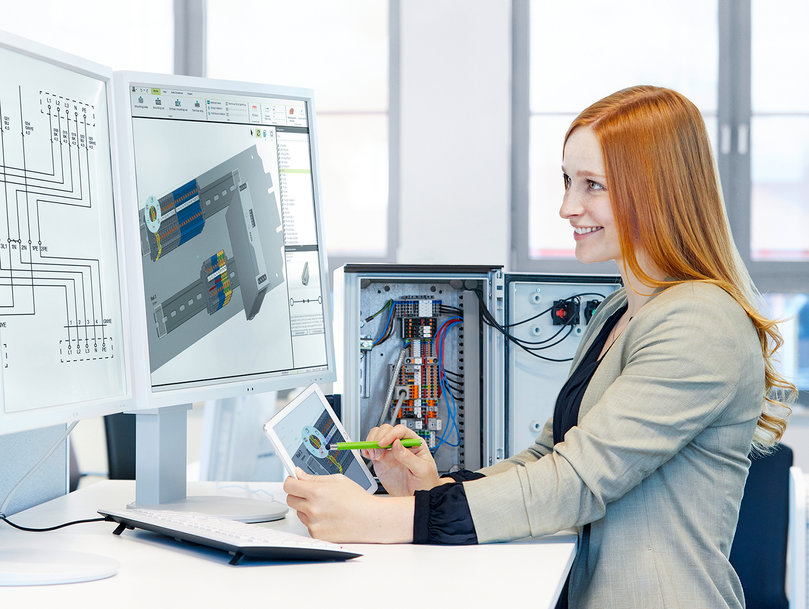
(566, 412)
(442, 514)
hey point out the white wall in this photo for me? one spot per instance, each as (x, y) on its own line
(455, 131)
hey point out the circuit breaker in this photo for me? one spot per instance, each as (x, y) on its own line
(469, 357)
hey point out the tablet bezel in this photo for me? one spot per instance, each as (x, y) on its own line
(283, 453)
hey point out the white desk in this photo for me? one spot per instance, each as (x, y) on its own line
(158, 572)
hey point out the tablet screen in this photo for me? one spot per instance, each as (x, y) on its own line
(304, 428)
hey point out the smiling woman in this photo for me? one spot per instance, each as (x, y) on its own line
(672, 386)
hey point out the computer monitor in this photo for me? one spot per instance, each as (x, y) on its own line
(227, 266)
(63, 315)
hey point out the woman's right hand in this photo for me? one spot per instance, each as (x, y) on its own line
(402, 471)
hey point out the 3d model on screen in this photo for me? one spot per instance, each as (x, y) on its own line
(226, 262)
(312, 455)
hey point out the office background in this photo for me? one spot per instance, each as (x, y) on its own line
(441, 121)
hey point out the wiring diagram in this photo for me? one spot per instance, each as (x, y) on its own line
(60, 303)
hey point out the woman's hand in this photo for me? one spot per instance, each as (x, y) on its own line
(337, 509)
(401, 470)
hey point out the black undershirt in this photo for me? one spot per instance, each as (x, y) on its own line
(442, 514)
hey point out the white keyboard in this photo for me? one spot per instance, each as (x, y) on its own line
(236, 538)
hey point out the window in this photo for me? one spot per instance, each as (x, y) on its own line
(579, 52)
(779, 132)
(341, 50)
(92, 29)
(740, 61)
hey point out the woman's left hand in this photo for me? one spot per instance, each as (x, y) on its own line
(337, 509)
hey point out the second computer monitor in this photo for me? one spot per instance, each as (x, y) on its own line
(230, 261)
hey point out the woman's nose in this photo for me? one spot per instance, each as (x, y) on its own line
(571, 205)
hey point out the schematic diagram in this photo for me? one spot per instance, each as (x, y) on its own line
(218, 236)
(60, 308)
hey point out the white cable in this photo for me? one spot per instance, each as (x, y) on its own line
(36, 467)
(399, 402)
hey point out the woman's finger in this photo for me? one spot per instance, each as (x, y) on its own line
(296, 503)
(299, 487)
(415, 464)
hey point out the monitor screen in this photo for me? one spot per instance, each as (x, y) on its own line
(232, 262)
(62, 330)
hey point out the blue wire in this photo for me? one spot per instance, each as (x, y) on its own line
(450, 411)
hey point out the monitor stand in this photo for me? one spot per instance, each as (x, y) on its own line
(20, 566)
(160, 472)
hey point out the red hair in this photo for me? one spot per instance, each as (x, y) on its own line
(667, 203)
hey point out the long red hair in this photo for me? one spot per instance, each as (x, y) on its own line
(667, 202)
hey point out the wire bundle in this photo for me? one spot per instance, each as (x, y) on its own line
(443, 384)
(528, 346)
(387, 329)
(449, 310)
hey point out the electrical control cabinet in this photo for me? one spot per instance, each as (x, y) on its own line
(469, 357)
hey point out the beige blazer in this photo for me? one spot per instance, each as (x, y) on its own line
(657, 462)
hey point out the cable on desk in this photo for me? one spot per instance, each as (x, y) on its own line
(46, 529)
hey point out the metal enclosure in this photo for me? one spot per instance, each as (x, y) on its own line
(506, 393)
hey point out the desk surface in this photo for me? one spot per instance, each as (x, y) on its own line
(158, 572)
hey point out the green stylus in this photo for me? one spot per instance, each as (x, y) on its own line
(407, 443)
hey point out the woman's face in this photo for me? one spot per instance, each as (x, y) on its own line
(586, 203)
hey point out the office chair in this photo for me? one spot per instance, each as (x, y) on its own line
(759, 550)
(119, 430)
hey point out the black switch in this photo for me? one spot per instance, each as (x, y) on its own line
(565, 313)
(589, 308)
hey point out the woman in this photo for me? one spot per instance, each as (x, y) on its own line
(671, 387)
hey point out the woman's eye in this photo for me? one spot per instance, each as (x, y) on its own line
(566, 180)
(594, 185)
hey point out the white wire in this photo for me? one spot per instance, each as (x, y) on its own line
(400, 400)
(36, 466)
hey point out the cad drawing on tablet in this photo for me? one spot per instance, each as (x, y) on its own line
(304, 429)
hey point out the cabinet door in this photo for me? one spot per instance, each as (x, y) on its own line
(548, 315)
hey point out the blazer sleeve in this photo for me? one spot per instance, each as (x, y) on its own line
(681, 366)
(541, 447)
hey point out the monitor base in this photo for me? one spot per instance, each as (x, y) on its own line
(42, 567)
(243, 509)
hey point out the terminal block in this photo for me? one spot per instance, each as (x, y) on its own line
(417, 306)
(216, 279)
(419, 327)
(173, 219)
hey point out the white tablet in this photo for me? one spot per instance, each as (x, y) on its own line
(301, 432)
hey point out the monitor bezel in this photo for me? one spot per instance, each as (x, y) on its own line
(147, 396)
(13, 422)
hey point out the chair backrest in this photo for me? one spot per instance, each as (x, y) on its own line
(759, 551)
(120, 432)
